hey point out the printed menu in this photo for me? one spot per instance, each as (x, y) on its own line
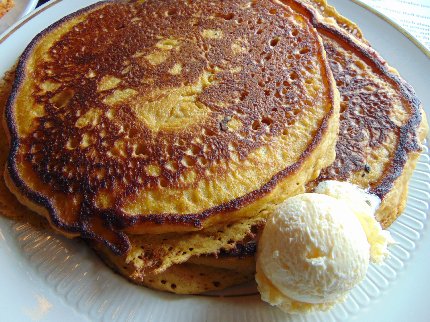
(412, 15)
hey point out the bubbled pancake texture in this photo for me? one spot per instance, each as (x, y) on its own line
(155, 127)
(164, 262)
(379, 111)
(375, 112)
(382, 124)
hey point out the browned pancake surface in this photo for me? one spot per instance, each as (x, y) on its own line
(166, 116)
(380, 118)
(382, 124)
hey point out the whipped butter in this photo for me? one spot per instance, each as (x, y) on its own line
(317, 246)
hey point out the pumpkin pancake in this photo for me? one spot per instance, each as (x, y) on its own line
(381, 130)
(382, 123)
(214, 114)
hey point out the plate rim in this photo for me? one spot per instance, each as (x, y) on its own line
(30, 8)
(20, 12)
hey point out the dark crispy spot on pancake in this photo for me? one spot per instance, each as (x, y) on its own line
(240, 250)
(224, 123)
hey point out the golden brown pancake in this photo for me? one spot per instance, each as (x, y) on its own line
(381, 130)
(217, 268)
(215, 113)
(196, 274)
(8, 202)
(382, 123)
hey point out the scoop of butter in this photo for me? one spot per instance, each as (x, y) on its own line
(316, 247)
(364, 206)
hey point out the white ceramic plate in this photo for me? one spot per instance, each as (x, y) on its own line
(47, 278)
(21, 8)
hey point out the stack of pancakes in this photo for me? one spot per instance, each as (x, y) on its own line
(164, 132)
